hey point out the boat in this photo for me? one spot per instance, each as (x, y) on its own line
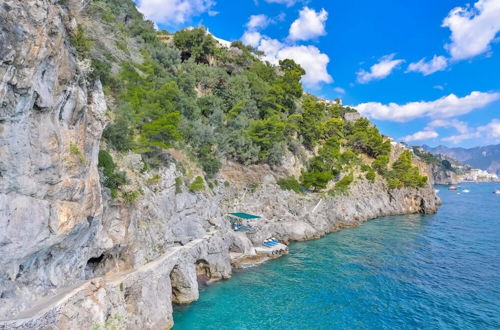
(466, 191)
(452, 188)
(496, 191)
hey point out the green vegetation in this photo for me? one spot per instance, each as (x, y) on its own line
(113, 179)
(371, 175)
(154, 179)
(289, 183)
(75, 151)
(130, 196)
(80, 42)
(342, 186)
(178, 185)
(403, 174)
(197, 184)
(215, 103)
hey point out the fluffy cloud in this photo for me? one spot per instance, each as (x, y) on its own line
(456, 139)
(288, 3)
(438, 63)
(492, 130)
(309, 25)
(472, 28)
(173, 12)
(419, 136)
(309, 57)
(460, 126)
(251, 38)
(489, 133)
(339, 90)
(380, 70)
(445, 107)
(258, 22)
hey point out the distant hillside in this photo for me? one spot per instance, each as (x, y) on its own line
(485, 158)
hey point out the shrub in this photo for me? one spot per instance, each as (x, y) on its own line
(131, 196)
(178, 185)
(113, 179)
(342, 186)
(289, 183)
(75, 151)
(197, 184)
(365, 168)
(380, 164)
(403, 174)
(154, 179)
(80, 42)
(371, 175)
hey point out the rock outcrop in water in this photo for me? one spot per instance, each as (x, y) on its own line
(74, 258)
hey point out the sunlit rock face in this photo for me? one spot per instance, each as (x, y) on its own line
(71, 256)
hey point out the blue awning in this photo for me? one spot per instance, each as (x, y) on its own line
(247, 216)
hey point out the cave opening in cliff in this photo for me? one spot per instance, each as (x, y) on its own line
(203, 273)
(175, 276)
(93, 265)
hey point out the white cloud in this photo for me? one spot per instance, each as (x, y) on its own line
(460, 126)
(339, 90)
(251, 38)
(309, 25)
(438, 63)
(440, 87)
(421, 135)
(258, 22)
(309, 57)
(492, 130)
(456, 139)
(380, 70)
(445, 107)
(489, 133)
(288, 3)
(173, 12)
(472, 28)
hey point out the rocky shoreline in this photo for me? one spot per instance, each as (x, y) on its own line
(132, 292)
(73, 257)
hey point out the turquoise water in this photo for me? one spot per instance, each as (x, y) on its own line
(404, 272)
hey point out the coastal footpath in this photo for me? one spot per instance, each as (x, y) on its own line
(75, 256)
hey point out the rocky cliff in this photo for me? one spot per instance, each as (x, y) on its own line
(74, 258)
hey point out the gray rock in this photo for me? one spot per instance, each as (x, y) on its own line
(74, 258)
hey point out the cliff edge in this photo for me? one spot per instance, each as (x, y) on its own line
(78, 253)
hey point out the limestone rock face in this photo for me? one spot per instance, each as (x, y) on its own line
(71, 256)
(442, 176)
(51, 119)
(292, 217)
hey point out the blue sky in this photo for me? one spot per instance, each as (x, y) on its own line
(371, 54)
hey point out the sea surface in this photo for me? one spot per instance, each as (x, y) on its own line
(437, 271)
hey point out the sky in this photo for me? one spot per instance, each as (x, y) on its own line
(426, 72)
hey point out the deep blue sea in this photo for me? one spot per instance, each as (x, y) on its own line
(437, 271)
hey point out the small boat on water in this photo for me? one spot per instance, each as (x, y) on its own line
(496, 191)
(466, 191)
(452, 188)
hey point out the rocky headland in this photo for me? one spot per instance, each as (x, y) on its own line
(75, 257)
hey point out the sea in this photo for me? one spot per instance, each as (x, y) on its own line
(439, 271)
